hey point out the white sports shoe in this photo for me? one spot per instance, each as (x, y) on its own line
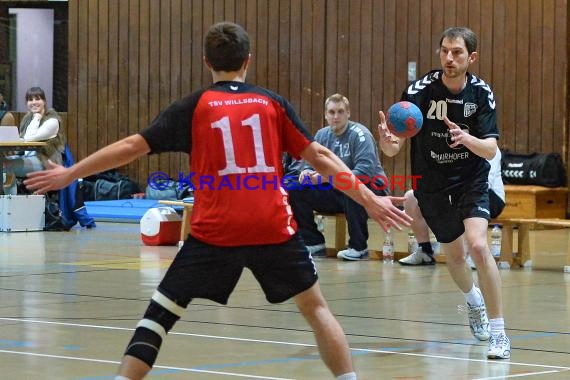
(478, 321)
(419, 257)
(352, 254)
(499, 347)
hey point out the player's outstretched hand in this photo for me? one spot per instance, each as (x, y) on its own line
(383, 130)
(458, 136)
(54, 177)
(385, 213)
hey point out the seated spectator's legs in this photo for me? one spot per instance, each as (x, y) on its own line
(22, 165)
(307, 199)
(357, 222)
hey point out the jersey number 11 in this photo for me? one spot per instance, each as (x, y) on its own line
(231, 166)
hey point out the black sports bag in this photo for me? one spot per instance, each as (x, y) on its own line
(540, 169)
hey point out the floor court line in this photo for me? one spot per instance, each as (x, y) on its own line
(355, 350)
(517, 375)
(249, 376)
(115, 362)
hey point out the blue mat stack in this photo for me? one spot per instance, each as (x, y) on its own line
(121, 210)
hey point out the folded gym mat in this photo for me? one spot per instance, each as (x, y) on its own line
(121, 210)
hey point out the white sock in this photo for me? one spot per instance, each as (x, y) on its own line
(497, 325)
(474, 297)
(347, 376)
(119, 377)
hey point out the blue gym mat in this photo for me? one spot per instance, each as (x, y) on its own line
(121, 210)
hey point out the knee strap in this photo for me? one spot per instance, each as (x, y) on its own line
(160, 316)
(144, 345)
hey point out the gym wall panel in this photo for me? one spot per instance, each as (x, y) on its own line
(130, 58)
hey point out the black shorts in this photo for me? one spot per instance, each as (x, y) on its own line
(444, 212)
(496, 204)
(201, 270)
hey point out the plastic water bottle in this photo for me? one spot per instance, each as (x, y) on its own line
(388, 248)
(412, 243)
(496, 237)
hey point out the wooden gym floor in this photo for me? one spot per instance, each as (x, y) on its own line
(70, 300)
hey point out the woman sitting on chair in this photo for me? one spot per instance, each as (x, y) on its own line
(39, 124)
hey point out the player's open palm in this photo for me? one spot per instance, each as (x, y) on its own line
(385, 213)
(383, 130)
(54, 177)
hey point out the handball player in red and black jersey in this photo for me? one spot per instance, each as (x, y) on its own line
(235, 134)
(450, 153)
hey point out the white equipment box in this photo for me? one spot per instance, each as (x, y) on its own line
(22, 213)
(160, 226)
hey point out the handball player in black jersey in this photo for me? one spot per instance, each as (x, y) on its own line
(235, 134)
(450, 153)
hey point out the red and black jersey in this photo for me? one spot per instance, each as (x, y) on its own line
(473, 109)
(235, 134)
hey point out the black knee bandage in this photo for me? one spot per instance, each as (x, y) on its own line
(158, 319)
(144, 345)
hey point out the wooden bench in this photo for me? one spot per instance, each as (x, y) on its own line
(523, 257)
(524, 205)
(528, 202)
(339, 232)
(187, 211)
(524, 254)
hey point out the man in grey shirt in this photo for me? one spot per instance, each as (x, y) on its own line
(355, 146)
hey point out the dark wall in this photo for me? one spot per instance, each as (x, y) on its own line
(130, 58)
(60, 73)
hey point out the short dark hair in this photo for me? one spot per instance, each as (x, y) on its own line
(467, 34)
(35, 92)
(226, 46)
(338, 98)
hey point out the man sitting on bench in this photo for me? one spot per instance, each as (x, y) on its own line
(355, 146)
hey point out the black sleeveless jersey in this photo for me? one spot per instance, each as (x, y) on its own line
(444, 168)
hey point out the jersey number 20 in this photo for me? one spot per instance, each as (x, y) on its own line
(437, 110)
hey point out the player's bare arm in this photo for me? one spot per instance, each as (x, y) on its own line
(389, 143)
(380, 208)
(486, 148)
(112, 156)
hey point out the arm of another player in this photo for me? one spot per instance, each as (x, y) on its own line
(117, 154)
(389, 144)
(486, 148)
(379, 208)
